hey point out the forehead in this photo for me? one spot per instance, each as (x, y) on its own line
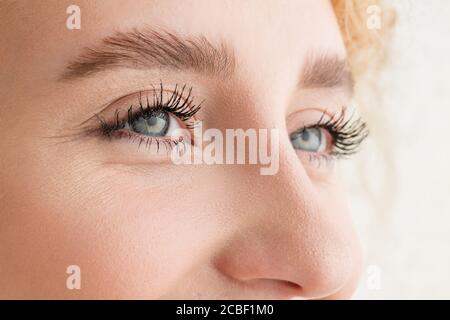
(268, 32)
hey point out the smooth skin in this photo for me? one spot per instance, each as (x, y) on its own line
(147, 229)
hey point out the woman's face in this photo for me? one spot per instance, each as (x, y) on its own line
(86, 178)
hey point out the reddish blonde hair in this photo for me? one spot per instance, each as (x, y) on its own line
(367, 52)
(366, 47)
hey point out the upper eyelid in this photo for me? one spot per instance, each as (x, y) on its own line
(126, 101)
(325, 115)
(182, 107)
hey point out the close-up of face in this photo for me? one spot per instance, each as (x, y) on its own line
(90, 117)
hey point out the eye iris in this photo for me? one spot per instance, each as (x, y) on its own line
(156, 124)
(309, 139)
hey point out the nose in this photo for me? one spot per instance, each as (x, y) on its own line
(298, 241)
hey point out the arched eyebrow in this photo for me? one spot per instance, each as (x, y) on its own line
(148, 49)
(326, 70)
(153, 49)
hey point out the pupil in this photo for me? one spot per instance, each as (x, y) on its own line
(152, 121)
(305, 135)
(156, 124)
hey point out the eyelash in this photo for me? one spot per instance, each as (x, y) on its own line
(346, 133)
(182, 109)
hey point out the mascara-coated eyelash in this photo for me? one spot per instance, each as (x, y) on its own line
(152, 110)
(346, 134)
(183, 109)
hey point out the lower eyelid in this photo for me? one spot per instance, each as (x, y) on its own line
(140, 141)
(316, 164)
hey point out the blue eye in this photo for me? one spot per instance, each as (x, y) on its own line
(155, 124)
(308, 139)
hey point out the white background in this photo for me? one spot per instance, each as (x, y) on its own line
(402, 208)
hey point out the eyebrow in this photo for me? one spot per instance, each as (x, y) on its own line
(326, 70)
(153, 49)
(149, 48)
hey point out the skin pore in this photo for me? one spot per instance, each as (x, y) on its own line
(136, 224)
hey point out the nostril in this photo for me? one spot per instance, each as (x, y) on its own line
(286, 289)
(292, 288)
(292, 285)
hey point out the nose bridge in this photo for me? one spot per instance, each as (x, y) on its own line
(290, 237)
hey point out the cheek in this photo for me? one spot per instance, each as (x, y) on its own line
(130, 238)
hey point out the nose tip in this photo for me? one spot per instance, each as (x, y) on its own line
(287, 271)
(298, 241)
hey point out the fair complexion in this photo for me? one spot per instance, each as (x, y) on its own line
(136, 224)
